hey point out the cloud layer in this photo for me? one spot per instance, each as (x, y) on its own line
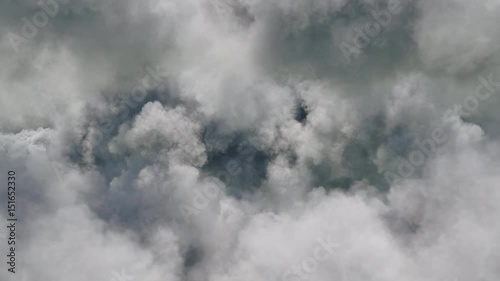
(194, 140)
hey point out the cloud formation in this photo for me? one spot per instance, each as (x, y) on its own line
(195, 140)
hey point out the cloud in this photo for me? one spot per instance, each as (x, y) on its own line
(231, 140)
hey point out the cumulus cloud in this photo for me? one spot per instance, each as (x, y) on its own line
(239, 140)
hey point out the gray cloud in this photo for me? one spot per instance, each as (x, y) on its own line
(231, 139)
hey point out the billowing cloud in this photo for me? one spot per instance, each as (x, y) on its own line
(251, 140)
